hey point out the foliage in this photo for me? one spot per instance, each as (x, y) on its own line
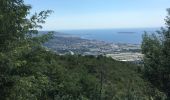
(156, 48)
(42, 74)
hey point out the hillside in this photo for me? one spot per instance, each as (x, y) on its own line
(44, 74)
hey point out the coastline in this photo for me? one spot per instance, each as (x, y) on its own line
(67, 44)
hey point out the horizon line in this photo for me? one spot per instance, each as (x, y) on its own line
(101, 28)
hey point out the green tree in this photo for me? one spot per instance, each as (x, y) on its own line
(17, 40)
(15, 26)
(156, 50)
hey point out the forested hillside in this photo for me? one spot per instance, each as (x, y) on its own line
(30, 72)
(41, 75)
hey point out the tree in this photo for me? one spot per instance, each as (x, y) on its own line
(15, 26)
(156, 50)
(17, 40)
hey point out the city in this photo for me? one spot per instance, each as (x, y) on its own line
(66, 44)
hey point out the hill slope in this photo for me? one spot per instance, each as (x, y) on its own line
(46, 75)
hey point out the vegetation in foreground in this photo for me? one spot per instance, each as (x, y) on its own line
(29, 72)
(40, 74)
(156, 48)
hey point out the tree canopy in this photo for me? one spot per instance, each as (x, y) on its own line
(156, 48)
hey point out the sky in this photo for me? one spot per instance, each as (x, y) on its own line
(101, 14)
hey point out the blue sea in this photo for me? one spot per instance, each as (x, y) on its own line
(126, 35)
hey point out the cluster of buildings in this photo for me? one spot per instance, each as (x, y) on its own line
(76, 45)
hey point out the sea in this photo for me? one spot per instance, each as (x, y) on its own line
(122, 35)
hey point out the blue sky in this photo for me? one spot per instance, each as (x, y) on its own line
(100, 14)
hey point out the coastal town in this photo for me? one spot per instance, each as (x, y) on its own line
(75, 45)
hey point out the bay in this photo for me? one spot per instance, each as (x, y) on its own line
(122, 35)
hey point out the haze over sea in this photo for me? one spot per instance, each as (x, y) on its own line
(123, 35)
